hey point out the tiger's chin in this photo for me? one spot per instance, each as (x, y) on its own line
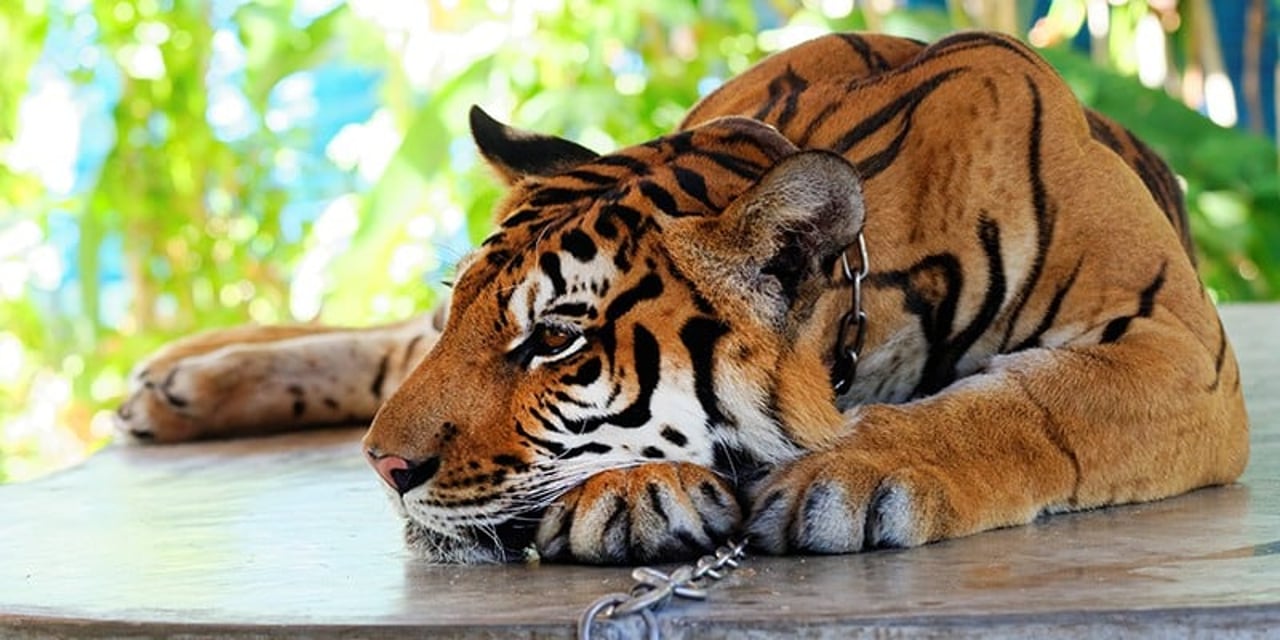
(511, 541)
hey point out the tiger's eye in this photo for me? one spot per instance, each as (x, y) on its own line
(550, 340)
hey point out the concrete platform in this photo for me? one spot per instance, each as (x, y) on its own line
(290, 536)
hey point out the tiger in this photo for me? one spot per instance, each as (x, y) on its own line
(871, 293)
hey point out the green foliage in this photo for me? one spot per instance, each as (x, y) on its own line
(198, 217)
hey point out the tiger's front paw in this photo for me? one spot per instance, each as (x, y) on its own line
(656, 512)
(173, 400)
(842, 502)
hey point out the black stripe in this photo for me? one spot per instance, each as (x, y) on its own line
(604, 227)
(551, 447)
(568, 399)
(700, 336)
(670, 434)
(905, 106)
(511, 462)
(655, 502)
(598, 448)
(711, 493)
(653, 453)
(774, 91)
(692, 183)
(591, 177)
(579, 245)
(795, 87)
(1163, 185)
(1146, 305)
(873, 165)
(648, 288)
(1115, 329)
(871, 59)
(1045, 216)
(989, 235)
(630, 218)
(1219, 359)
(550, 264)
(631, 164)
(815, 122)
(661, 198)
(616, 536)
(1147, 301)
(586, 374)
(679, 143)
(944, 353)
(736, 165)
(647, 362)
(573, 310)
(552, 196)
(547, 423)
(737, 137)
(1101, 131)
(935, 304)
(520, 217)
(977, 40)
(1032, 341)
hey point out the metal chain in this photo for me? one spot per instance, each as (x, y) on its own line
(853, 321)
(654, 589)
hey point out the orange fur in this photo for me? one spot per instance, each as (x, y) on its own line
(1038, 340)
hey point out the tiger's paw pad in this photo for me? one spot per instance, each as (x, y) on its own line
(650, 513)
(834, 507)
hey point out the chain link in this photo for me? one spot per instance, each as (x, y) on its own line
(853, 321)
(654, 589)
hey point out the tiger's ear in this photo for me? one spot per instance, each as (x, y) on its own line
(777, 236)
(515, 154)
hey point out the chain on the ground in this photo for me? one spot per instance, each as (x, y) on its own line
(654, 589)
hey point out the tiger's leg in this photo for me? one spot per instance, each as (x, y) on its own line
(256, 380)
(1037, 432)
(657, 512)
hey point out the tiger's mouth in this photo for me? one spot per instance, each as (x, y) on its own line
(512, 540)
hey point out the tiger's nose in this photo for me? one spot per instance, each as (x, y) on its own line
(401, 474)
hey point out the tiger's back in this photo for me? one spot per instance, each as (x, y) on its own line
(801, 90)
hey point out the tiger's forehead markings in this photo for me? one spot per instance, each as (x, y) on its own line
(572, 272)
(570, 235)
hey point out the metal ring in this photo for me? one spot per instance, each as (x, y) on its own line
(651, 623)
(598, 609)
(857, 299)
(862, 256)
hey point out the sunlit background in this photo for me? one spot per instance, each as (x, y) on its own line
(172, 165)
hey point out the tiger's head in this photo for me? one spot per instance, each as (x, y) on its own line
(672, 301)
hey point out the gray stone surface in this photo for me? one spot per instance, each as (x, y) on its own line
(292, 536)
